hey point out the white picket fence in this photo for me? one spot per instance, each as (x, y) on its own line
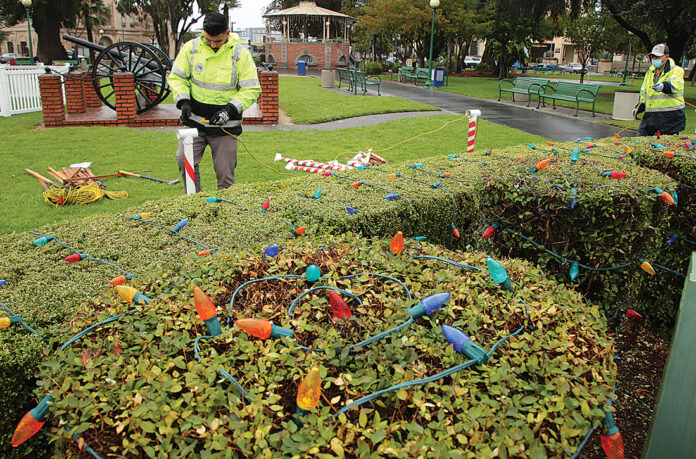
(19, 87)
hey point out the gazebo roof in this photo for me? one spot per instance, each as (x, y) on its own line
(306, 9)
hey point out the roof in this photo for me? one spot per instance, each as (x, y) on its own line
(306, 9)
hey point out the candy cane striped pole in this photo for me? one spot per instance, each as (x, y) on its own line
(334, 165)
(473, 116)
(314, 170)
(187, 136)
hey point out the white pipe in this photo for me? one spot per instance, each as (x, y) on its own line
(187, 136)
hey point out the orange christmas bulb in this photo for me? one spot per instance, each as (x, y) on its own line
(455, 232)
(447, 174)
(255, 327)
(31, 422)
(205, 252)
(309, 392)
(668, 153)
(355, 184)
(300, 231)
(397, 243)
(118, 280)
(667, 198)
(204, 306)
(549, 143)
(647, 267)
(543, 164)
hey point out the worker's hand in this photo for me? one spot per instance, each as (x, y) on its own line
(640, 108)
(185, 107)
(658, 87)
(220, 118)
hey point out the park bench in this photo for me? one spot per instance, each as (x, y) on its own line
(371, 80)
(522, 85)
(570, 92)
(347, 76)
(421, 74)
(405, 73)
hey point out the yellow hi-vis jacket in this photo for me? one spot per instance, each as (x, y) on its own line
(210, 80)
(672, 98)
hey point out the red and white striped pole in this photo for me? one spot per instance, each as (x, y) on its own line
(334, 165)
(187, 136)
(314, 170)
(473, 117)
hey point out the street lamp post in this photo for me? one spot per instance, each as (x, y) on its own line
(123, 26)
(628, 58)
(27, 5)
(433, 4)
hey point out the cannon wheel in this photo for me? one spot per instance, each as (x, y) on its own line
(167, 64)
(140, 60)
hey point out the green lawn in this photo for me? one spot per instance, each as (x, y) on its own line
(113, 148)
(487, 88)
(306, 102)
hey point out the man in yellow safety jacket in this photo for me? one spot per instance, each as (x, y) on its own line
(214, 80)
(662, 95)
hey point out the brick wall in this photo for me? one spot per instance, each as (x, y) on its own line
(268, 100)
(124, 85)
(74, 93)
(51, 90)
(92, 100)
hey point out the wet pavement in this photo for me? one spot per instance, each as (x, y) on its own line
(542, 122)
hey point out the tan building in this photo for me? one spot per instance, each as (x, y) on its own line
(117, 28)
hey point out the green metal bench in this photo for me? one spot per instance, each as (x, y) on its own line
(371, 80)
(346, 75)
(405, 73)
(570, 92)
(422, 74)
(522, 85)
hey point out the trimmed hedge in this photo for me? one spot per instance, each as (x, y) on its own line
(135, 388)
(45, 290)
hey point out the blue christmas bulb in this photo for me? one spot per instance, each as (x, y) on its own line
(673, 238)
(391, 196)
(574, 270)
(351, 210)
(428, 305)
(270, 252)
(578, 140)
(455, 337)
(437, 184)
(573, 197)
(179, 226)
(2, 282)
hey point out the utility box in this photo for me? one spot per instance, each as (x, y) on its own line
(301, 68)
(625, 100)
(437, 78)
(327, 78)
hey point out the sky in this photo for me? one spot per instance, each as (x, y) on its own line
(249, 15)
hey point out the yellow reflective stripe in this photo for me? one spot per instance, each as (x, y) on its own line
(249, 83)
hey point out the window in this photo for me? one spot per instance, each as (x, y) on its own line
(132, 21)
(24, 48)
(10, 47)
(474, 48)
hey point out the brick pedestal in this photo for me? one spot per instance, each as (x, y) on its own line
(51, 89)
(124, 85)
(74, 93)
(92, 100)
(268, 100)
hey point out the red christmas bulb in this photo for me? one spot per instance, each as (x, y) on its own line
(683, 137)
(339, 308)
(355, 184)
(205, 252)
(300, 231)
(591, 145)
(617, 175)
(266, 203)
(667, 198)
(658, 134)
(668, 154)
(74, 258)
(327, 173)
(455, 232)
(490, 231)
(617, 143)
(613, 445)
(631, 314)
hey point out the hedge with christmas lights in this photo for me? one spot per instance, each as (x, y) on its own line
(135, 387)
(37, 275)
(587, 228)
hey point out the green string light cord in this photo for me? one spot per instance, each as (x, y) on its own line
(445, 260)
(220, 371)
(85, 446)
(87, 330)
(333, 174)
(142, 220)
(20, 320)
(427, 380)
(292, 227)
(86, 257)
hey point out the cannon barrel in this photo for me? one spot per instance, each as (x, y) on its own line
(85, 43)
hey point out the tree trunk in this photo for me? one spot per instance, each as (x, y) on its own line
(692, 75)
(49, 46)
(90, 37)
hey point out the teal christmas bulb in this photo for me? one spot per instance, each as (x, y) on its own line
(317, 194)
(212, 199)
(313, 273)
(498, 273)
(531, 145)
(419, 238)
(574, 270)
(574, 155)
(42, 240)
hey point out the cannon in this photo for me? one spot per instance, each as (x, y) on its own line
(149, 65)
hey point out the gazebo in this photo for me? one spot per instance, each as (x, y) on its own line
(329, 51)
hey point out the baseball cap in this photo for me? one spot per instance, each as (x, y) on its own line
(659, 50)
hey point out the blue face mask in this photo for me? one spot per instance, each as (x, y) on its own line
(657, 63)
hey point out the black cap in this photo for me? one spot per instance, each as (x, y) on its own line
(215, 23)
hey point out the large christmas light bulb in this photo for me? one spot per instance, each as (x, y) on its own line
(490, 231)
(32, 422)
(75, 257)
(428, 305)
(264, 206)
(42, 240)
(317, 194)
(611, 439)
(462, 343)
(498, 273)
(118, 280)
(131, 294)
(309, 392)
(574, 155)
(397, 243)
(179, 226)
(262, 329)
(212, 199)
(313, 273)
(647, 267)
(206, 311)
(574, 270)
(270, 252)
(339, 308)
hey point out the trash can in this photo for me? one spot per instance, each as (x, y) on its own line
(438, 78)
(301, 68)
(625, 101)
(327, 79)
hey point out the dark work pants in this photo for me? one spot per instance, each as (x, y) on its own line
(224, 152)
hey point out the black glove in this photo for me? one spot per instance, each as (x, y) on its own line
(667, 88)
(186, 109)
(640, 108)
(223, 116)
